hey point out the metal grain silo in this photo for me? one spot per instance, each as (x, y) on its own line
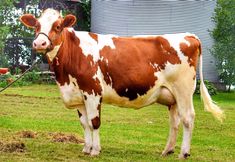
(140, 17)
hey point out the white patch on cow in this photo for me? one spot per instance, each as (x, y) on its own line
(155, 66)
(52, 54)
(91, 104)
(88, 137)
(106, 40)
(171, 73)
(46, 20)
(175, 40)
(107, 62)
(71, 94)
(95, 76)
(87, 130)
(88, 45)
(96, 143)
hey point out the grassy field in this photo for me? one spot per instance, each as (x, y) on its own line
(126, 134)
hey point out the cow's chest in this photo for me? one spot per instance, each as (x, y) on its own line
(71, 94)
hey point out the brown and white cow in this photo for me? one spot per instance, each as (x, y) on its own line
(131, 72)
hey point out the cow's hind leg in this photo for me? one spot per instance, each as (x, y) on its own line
(174, 120)
(187, 114)
(87, 130)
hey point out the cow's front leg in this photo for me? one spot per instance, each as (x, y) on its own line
(93, 106)
(87, 130)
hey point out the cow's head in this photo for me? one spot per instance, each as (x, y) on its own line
(48, 28)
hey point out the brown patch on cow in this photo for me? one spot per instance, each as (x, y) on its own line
(96, 122)
(27, 134)
(192, 51)
(73, 62)
(105, 68)
(194, 77)
(14, 146)
(55, 33)
(130, 68)
(66, 138)
(94, 36)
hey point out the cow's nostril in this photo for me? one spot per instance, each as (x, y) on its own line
(34, 44)
(44, 43)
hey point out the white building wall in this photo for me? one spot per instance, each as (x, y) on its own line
(139, 17)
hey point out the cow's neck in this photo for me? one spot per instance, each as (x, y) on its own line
(69, 59)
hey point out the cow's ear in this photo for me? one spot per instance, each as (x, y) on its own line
(69, 21)
(28, 20)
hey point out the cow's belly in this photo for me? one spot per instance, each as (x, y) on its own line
(71, 96)
(110, 96)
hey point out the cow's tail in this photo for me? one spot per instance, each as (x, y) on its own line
(209, 104)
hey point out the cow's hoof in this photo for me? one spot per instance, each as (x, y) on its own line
(166, 153)
(86, 150)
(184, 156)
(95, 152)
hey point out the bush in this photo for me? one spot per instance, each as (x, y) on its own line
(28, 79)
(211, 88)
(6, 79)
(31, 77)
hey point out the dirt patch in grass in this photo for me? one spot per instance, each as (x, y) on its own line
(27, 134)
(14, 146)
(25, 96)
(66, 138)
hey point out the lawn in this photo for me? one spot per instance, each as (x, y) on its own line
(126, 134)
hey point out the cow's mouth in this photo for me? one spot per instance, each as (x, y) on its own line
(43, 51)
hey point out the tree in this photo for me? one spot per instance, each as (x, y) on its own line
(224, 36)
(15, 39)
(4, 29)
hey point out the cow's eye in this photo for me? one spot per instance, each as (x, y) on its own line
(58, 27)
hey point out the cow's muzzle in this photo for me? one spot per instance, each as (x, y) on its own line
(42, 43)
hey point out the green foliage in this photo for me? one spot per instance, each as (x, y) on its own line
(6, 79)
(29, 78)
(224, 36)
(86, 7)
(83, 15)
(15, 39)
(3, 30)
(211, 88)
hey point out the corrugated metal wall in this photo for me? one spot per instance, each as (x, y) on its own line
(139, 17)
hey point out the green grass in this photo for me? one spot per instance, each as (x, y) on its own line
(126, 134)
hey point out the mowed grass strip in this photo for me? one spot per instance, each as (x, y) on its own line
(126, 134)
